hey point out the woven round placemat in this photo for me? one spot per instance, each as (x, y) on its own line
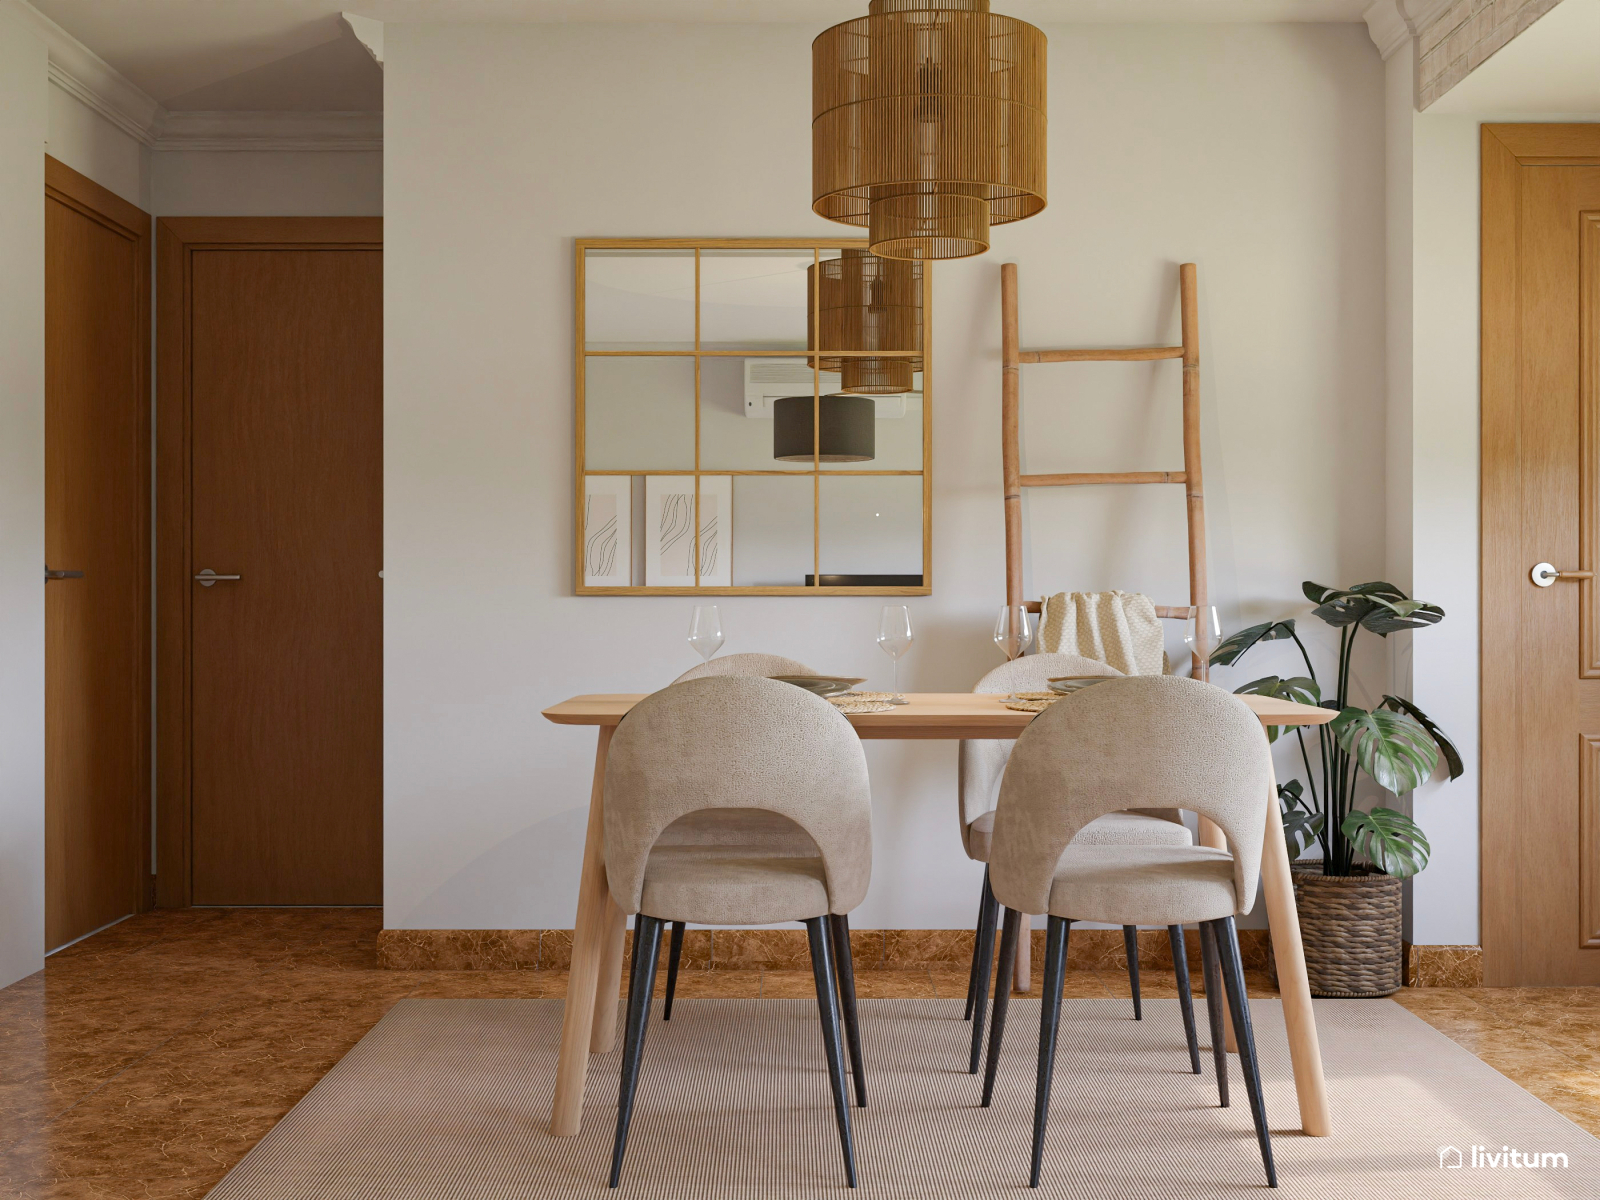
(856, 703)
(1351, 929)
(1033, 706)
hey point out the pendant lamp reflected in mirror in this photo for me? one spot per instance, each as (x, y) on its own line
(847, 424)
(928, 125)
(868, 303)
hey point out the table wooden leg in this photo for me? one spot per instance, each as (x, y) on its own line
(1211, 835)
(1277, 889)
(608, 987)
(577, 1019)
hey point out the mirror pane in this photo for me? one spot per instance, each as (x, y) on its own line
(898, 433)
(638, 299)
(753, 299)
(638, 414)
(772, 530)
(871, 526)
(736, 396)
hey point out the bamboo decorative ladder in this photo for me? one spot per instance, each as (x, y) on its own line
(1012, 360)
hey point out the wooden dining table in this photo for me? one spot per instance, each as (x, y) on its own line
(589, 1019)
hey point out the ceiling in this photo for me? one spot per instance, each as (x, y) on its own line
(298, 54)
(1547, 70)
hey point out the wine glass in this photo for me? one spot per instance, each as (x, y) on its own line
(1203, 631)
(705, 630)
(894, 639)
(1014, 630)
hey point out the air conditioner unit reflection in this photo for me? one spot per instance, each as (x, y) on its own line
(766, 379)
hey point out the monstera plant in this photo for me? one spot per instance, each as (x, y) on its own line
(1395, 743)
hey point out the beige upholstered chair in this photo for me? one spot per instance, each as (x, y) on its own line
(1144, 740)
(737, 745)
(982, 764)
(741, 827)
(746, 664)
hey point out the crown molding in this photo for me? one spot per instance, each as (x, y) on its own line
(368, 32)
(1392, 23)
(247, 131)
(95, 83)
(88, 78)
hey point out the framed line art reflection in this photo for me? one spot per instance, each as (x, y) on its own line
(761, 409)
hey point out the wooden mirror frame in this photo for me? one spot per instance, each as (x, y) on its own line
(580, 474)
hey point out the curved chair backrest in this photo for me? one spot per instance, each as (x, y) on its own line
(738, 743)
(981, 763)
(746, 664)
(1144, 741)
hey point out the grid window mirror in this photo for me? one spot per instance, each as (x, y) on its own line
(752, 418)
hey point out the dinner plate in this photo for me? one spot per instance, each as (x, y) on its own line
(821, 685)
(1067, 684)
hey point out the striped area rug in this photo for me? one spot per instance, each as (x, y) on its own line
(450, 1099)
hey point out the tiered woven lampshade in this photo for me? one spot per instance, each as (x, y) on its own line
(869, 303)
(928, 125)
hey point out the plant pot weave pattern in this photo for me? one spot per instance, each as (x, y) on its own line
(1351, 927)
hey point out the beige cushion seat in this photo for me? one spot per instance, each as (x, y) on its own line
(1143, 884)
(732, 886)
(1113, 829)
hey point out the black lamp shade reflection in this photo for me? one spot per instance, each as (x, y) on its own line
(848, 425)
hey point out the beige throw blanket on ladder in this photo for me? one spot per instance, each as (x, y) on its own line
(1120, 629)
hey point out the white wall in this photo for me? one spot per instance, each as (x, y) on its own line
(22, 136)
(91, 145)
(211, 183)
(1255, 151)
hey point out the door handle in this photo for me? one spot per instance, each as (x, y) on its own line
(49, 574)
(207, 577)
(1543, 575)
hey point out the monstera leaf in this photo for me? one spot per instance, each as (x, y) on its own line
(1299, 688)
(1391, 747)
(1389, 840)
(1391, 616)
(1302, 826)
(1452, 756)
(1378, 606)
(1232, 648)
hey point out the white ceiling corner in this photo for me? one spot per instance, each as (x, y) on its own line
(368, 32)
(89, 79)
(1393, 23)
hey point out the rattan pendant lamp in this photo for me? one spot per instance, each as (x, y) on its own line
(868, 303)
(928, 125)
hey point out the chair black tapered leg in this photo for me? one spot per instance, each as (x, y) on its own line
(1180, 967)
(844, 967)
(828, 1010)
(985, 956)
(1233, 976)
(674, 953)
(641, 986)
(1055, 975)
(1211, 972)
(977, 936)
(1130, 944)
(1002, 997)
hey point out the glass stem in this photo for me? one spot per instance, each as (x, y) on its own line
(896, 669)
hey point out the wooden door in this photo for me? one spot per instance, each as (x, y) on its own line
(284, 433)
(1541, 504)
(97, 542)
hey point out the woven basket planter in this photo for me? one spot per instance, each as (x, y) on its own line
(1351, 929)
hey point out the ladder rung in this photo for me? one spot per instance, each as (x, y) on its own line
(1080, 478)
(1131, 354)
